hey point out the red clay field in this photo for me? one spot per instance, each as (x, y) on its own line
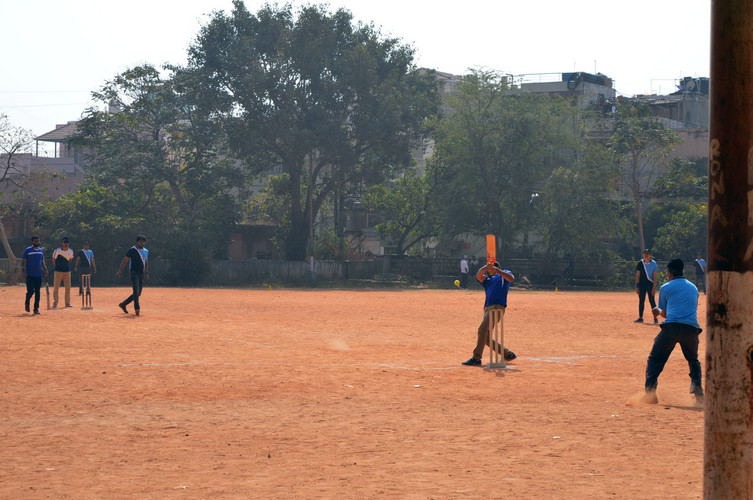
(273, 393)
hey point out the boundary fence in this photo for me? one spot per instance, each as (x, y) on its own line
(385, 270)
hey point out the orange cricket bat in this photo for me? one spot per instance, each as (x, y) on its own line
(491, 248)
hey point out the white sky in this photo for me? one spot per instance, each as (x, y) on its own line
(55, 52)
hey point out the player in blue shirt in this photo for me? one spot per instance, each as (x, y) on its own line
(496, 283)
(678, 303)
(137, 258)
(32, 262)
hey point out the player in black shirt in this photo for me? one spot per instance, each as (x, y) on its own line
(138, 259)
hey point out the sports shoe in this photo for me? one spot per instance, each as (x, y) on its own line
(54, 305)
(123, 307)
(656, 321)
(36, 311)
(26, 306)
(639, 320)
(697, 390)
(509, 356)
(137, 312)
(472, 362)
(649, 398)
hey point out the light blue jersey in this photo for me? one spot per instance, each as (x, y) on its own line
(679, 299)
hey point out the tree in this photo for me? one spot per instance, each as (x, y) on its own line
(644, 144)
(15, 179)
(99, 214)
(334, 104)
(576, 211)
(405, 206)
(679, 220)
(685, 233)
(684, 180)
(494, 152)
(161, 153)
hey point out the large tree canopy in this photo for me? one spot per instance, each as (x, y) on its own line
(512, 163)
(157, 149)
(644, 144)
(333, 103)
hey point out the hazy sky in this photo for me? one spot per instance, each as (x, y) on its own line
(55, 52)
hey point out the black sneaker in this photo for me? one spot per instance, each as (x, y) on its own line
(123, 307)
(656, 321)
(509, 356)
(639, 320)
(26, 306)
(696, 390)
(36, 311)
(472, 362)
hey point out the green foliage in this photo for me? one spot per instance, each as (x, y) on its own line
(516, 164)
(678, 224)
(644, 144)
(99, 215)
(155, 167)
(683, 181)
(684, 234)
(406, 206)
(576, 214)
(272, 206)
(328, 100)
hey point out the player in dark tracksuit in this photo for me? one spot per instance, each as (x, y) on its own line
(645, 283)
(34, 268)
(138, 259)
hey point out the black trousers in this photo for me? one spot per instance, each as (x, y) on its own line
(137, 282)
(670, 335)
(33, 287)
(643, 290)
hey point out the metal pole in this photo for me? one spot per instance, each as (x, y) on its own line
(728, 432)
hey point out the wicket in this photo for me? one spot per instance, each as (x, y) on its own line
(496, 336)
(86, 297)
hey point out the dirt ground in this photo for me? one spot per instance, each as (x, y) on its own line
(339, 394)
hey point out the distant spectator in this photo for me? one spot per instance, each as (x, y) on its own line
(464, 272)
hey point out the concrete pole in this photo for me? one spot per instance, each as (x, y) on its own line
(728, 436)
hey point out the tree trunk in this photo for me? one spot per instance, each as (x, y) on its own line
(295, 244)
(636, 187)
(728, 428)
(639, 219)
(12, 260)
